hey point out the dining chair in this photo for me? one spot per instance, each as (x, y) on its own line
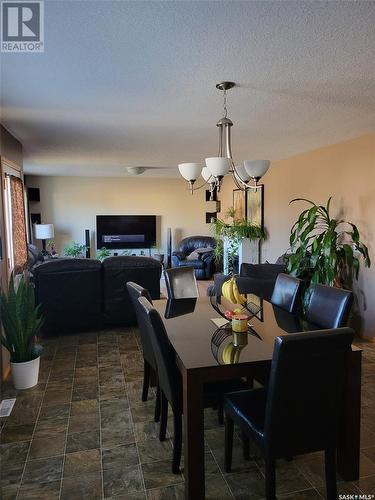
(181, 283)
(170, 381)
(299, 412)
(287, 293)
(329, 307)
(149, 364)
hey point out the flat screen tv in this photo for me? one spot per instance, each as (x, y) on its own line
(125, 231)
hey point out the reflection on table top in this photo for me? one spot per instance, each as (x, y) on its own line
(201, 342)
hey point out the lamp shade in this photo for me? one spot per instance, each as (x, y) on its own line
(218, 166)
(190, 171)
(256, 168)
(242, 174)
(206, 174)
(44, 231)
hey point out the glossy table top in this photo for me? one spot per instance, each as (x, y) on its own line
(200, 342)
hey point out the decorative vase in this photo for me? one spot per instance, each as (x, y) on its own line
(25, 375)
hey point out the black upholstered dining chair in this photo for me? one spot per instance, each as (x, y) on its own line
(287, 293)
(299, 411)
(170, 381)
(181, 283)
(149, 364)
(329, 307)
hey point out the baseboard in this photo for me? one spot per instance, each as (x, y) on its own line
(368, 339)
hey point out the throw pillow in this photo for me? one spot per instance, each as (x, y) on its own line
(193, 256)
(204, 250)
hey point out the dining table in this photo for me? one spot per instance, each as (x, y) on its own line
(207, 350)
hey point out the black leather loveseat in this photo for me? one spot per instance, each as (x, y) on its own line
(82, 294)
(202, 259)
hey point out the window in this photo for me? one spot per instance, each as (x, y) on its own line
(15, 222)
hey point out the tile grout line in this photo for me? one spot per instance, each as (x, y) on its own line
(221, 473)
(36, 421)
(132, 422)
(100, 412)
(67, 429)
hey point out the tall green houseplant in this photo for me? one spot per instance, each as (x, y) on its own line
(324, 249)
(21, 320)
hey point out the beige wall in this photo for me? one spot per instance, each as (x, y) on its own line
(345, 171)
(71, 204)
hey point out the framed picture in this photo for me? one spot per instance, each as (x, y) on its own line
(254, 205)
(239, 203)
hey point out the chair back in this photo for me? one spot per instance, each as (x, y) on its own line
(306, 391)
(287, 293)
(168, 375)
(329, 307)
(181, 283)
(135, 291)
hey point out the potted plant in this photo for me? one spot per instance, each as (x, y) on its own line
(230, 236)
(103, 253)
(75, 250)
(21, 321)
(324, 249)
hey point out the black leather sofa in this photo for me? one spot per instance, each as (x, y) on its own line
(204, 265)
(83, 294)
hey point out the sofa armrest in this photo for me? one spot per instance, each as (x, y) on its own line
(179, 255)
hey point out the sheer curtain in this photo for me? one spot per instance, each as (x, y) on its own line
(18, 221)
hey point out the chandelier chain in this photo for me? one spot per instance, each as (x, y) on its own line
(225, 111)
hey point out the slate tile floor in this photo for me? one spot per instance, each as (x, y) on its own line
(83, 433)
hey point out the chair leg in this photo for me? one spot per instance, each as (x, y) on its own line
(228, 447)
(177, 442)
(146, 380)
(220, 413)
(330, 469)
(163, 416)
(270, 479)
(157, 404)
(245, 446)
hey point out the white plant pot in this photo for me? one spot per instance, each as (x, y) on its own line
(25, 375)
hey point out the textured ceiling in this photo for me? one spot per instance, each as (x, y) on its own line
(133, 83)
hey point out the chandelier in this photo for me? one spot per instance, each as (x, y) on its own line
(218, 166)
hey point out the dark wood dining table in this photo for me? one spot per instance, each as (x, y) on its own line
(207, 350)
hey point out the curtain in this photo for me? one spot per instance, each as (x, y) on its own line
(18, 224)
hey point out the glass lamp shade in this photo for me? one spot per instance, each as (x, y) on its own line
(256, 168)
(206, 174)
(44, 231)
(241, 171)
(218, 166)
(190, 171)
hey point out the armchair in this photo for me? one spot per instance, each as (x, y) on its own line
(203, 264)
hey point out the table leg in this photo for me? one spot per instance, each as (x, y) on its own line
(349, 438)
(193, 436)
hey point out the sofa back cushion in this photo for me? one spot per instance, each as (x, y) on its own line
(117, 271)
(70, 294)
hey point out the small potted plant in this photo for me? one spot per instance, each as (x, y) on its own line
(103, 253)
(75, 250)
(21, 320)
(230, 236)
